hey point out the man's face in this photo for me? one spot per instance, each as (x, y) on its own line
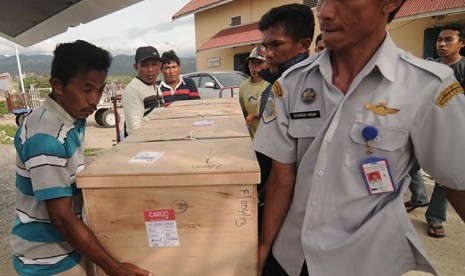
(353, 23)
(448, 43)
(320, 46)
(82, 93)
(280, 47)
(148, 70)
(171, 72)
(256, 65)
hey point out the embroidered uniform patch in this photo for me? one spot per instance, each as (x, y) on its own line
(448, 93)
(269, 114)
(309, 96)
(277, 89)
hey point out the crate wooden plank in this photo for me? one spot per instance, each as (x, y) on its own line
(200, 110)
(190, 128)
(204, 162)
(205, 102)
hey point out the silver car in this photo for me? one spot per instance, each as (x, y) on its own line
(220, 84)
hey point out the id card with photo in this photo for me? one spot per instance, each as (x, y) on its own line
(377, 176)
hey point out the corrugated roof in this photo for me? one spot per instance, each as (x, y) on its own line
(197, 5)
(234, 36)
(416, 7)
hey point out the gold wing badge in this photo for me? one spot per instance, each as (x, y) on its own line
(381, 109)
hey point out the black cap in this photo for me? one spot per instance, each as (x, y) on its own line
(147, 52)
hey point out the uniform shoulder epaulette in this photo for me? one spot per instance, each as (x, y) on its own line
(303, 63)
(438, 69)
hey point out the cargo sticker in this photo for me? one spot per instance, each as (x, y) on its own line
(161, 228)
(146, 157)
(448, 93)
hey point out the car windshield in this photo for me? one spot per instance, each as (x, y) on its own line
(231, 78)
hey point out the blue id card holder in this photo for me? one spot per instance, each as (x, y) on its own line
(375, 170)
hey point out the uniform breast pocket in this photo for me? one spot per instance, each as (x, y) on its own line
(305, 128)
(389, 144)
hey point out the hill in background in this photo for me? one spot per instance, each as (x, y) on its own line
(122, 65)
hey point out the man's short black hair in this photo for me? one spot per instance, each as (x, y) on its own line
(454, 27)
(296, 20)
(73, 58)
(169, 56)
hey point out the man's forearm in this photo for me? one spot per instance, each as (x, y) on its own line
(80, 237)
(278, 196)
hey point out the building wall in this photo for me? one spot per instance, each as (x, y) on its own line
(409, 34)
(210, 22)
(226, 56)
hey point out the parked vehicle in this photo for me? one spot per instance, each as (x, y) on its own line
(221, 84)
(21, 104)
(105, 114)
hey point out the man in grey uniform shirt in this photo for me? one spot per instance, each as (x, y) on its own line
(334, 120)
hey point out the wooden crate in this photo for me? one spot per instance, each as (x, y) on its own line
(209, 127)
(209, 184)
(200, 108)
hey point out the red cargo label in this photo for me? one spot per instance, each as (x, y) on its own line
(161, 228)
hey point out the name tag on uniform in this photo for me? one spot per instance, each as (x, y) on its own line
(377, 175)
(306, 115)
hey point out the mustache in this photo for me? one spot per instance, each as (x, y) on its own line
(92, 108)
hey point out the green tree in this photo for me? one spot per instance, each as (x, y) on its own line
(39, 81)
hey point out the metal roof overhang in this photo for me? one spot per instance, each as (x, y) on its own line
(233, 37)
(27, 22)
(416, 9)
(195, 6)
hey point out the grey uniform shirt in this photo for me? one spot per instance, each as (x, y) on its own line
(333, 223)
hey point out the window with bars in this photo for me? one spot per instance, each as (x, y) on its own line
(310, 3)
(235, 21)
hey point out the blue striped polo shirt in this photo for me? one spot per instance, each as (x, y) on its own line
(50, 152)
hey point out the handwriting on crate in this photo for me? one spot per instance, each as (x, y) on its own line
(243, 213)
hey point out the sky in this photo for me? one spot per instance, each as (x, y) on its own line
(145, 23)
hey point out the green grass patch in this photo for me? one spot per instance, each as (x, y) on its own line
(7, 133)
(3, 108)
(93, 151)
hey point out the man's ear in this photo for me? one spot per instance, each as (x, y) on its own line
(57, 85)
(391, 5)
(305, 42)
(135, 66)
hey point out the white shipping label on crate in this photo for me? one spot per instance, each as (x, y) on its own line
(203, 123)
(146, 157)
(161, 228)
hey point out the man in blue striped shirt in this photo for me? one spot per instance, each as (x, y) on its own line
(49, 236)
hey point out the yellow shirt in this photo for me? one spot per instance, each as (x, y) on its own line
(249, 97)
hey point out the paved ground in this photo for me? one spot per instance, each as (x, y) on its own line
(447, 254)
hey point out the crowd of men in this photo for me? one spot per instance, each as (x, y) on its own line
(337, 135)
